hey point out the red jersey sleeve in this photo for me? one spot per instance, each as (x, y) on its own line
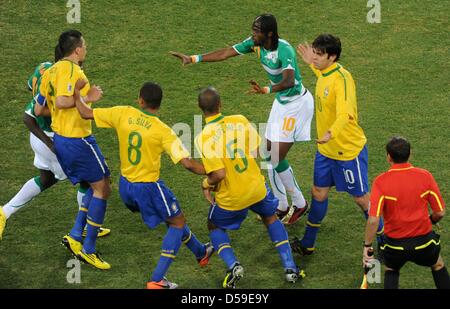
(433, 196)
(376, 200)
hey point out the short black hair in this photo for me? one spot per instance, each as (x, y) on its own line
(399, 149)
(267, 23)
(329, 44)
(68, 41)
(152, 95)
(209, 100)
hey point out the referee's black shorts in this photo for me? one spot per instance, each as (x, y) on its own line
(423, 250)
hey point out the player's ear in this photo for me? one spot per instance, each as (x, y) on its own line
(389, 159)
(141, 102)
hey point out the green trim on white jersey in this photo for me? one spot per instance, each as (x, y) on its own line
(274, 62)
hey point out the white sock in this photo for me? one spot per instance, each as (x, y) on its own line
(29, 190)
(289, 182)
(80, 196)
(277, 188)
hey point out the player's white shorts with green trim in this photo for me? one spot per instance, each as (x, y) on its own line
(44, 158)
(291, 122)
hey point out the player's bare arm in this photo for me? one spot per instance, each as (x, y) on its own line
(216, 176)
(325, 138)
(210, 183)
(193, 166)
(41, 110)
(85, 110)
(371, 230)
(64, 102)
(287, 82)
(437, 216)
(34, 128)
(218, 55)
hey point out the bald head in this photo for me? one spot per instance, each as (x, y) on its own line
(209, 100)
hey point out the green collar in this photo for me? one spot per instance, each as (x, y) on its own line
(214, 118)
(330, 70)
(148, 113)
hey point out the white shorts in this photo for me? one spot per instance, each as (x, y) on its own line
(291, 122)
(44, 158)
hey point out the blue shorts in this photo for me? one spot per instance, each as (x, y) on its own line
(153, 200)
(80, 158)
(348, 176)
(232, 220)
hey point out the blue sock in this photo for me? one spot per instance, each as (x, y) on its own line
(80, 221)
(279, 237)
(95, 217)
(221, 243)
(193, 243)
(315, 217)
(380, 230)
(170, 245)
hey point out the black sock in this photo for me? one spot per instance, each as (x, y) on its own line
(441, 278)
(391, 278)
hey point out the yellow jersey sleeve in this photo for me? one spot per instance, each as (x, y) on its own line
(108, 117)
(173, 146)
(315, 71)
(67, 76)
(344, 110)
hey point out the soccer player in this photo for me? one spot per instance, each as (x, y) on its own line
(341, 159)
(45, 160)
(228, 146)
(402, 195)
(143, 137)
(292, 109)
(76, 149)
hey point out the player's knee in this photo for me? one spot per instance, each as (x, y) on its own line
(47, 180)
(269, 220)
(439, 264)
(178, 221)
(318, 194)
(211, 226)
(362, 201)
(106, 189)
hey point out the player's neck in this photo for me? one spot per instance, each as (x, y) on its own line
(269, 45)
(72, 58)
(151, 110)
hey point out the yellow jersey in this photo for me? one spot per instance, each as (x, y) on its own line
(336, 110)
(59, 80)
(227, 143)
(142, 140)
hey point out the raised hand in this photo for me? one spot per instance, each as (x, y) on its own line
(256, 88)
(305, 50)
(185, 59)
(94, 94)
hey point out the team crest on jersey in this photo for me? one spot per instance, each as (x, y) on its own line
(272, 56)
(174, 207)
(325, 92)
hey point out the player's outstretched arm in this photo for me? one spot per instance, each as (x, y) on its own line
(193, 166)
(64, 102)
(34, 128)
(218, 55)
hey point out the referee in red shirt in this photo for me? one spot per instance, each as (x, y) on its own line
(401, 195)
